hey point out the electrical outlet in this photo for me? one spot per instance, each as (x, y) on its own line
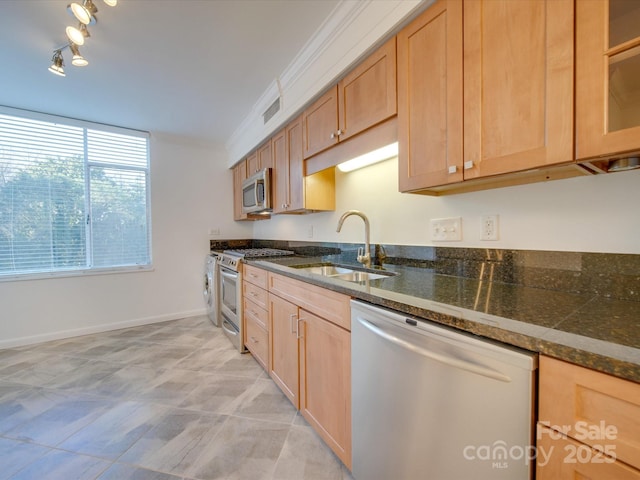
(490, 228)
(446, 229)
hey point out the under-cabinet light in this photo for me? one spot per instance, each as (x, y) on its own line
(375, 156)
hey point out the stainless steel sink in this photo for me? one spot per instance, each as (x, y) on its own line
(357, 276)
(344, 273)
(327, 270)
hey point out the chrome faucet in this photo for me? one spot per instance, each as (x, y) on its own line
(364, 255)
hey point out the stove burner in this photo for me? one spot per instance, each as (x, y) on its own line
(258, 252)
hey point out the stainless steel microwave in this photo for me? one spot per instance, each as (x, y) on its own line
(256, 192)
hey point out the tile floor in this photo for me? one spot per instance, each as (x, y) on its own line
(166, 401)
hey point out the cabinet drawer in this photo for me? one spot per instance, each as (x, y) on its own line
(257, 340)
(256, 312)
(325, 303)
(256, 276)
(560, 458)
(255, 294)
(592, 407)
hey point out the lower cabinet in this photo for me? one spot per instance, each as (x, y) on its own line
(589, 424)
(310, 356)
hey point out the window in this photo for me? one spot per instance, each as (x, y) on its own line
(74, 196)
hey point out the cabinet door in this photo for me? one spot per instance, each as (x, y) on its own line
(252, 164)
(430, 98)
(296, 165)
(264, 156)
(320, 122)
(325, 382)
(283, 351)
(280, 173)
(607, 77)
(239, 175)
(518, 85)
(367, 95)
(561, 458)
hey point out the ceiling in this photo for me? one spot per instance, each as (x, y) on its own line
(190, 68)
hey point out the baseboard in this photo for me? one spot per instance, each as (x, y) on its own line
(78, 332)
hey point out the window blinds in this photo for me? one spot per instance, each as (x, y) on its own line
(71, 197)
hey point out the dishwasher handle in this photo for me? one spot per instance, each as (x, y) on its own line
(447, 360)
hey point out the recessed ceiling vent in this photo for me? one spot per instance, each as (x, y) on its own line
(271, 111)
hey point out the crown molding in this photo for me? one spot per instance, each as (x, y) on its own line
(350, 30)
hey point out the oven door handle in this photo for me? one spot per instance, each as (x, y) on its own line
(225, 274)
(229, 331)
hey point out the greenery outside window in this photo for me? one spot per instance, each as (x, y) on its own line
(74, 196)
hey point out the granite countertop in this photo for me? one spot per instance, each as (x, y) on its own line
(586, 329)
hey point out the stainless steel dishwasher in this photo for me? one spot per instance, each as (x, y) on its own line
(432, 403)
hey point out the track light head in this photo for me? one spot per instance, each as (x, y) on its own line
(85, 12)
(57, 64)
(77, 35)
(78, 60)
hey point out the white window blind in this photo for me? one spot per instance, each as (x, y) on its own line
(72, 196)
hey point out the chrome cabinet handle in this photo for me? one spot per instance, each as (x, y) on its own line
(254, 339)
(291, 317)
(298, 327)
(468, 165)
(453, 169)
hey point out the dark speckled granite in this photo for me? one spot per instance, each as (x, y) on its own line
(579, 307)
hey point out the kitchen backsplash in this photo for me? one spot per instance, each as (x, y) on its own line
(603, 274)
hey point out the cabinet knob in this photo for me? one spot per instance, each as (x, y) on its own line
(333, 135)
(453, 169)
(468, 165)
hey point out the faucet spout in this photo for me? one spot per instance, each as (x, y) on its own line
(364, 257)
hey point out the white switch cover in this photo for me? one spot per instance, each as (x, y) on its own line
(310, 231)
(214, 231)
(446, 229)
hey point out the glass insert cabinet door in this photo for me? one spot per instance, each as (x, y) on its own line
(607, 78)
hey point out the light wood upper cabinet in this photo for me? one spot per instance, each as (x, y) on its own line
(320, 120)
(518, 85)
(367, 94)
(239, 175)
(259, 159)
(365, 97)
(293, 192)
(430, 98)
(607, 78)
(485, 88)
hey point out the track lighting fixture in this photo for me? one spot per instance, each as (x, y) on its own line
(85, 11)
(78, 60)
(57, 65)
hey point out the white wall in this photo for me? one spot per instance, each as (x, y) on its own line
(191, 189)
(588, 214)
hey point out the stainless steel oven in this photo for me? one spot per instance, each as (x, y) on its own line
(229, 289)
(230, 294)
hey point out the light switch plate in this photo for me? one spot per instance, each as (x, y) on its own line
(446, 229)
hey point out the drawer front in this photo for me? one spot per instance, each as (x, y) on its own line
(255, 275)
(560, 458)
(256, 312)
(256, 294)
(257, 341)
(592, 407)
(325, 303)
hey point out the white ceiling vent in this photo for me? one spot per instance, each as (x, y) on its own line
(271, 111)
